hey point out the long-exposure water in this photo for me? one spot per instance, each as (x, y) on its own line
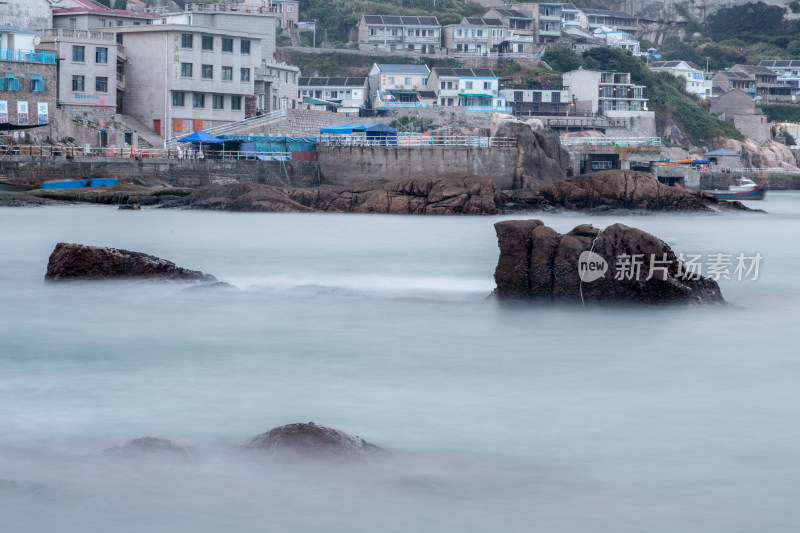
(499, 417)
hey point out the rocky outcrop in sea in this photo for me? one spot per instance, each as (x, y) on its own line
(81, 262)
(312, 441)
(618, 264)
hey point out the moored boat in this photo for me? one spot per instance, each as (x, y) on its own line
(79, 183)
(739, 192)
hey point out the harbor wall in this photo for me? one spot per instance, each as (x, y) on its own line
(350, 165)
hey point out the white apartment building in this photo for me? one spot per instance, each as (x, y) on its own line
(474, 35)
(693, 74)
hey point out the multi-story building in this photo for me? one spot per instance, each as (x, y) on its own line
(26, 14)
(693, 74)
(385, 33)
(91, 67)
(547, 20)
(86, 15)
(393, 85)
(729, 80)
(182, 78)
(572, 16)
(28, 82)
(276, 80)
(539, 100)
(602, 91)
(349, 93)
(287, 12)
(788, 71)
(618, 20)
(474, 35)
(767, 86)
(521, 30)
(466, 87)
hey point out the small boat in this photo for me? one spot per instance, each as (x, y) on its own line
(79, 184)
(741, 191)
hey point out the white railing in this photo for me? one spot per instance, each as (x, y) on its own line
(413, 140)
(410, 104)
(230, 126)
(623, 142)
(488, 109)
(777, 170)
(128, 152)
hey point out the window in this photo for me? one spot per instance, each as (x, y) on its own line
(12, 83)
(186, 70)
(458, 32)
(227, 73)
(119, 23)
(289, 8)
(217, 101)
(408, 81)
(101, 55)
(468, 85)
(390, 80)
(227, 45)
(208, 42)
(245, 74)
(73, 23)
(537, 96)
(101, 84)
(555, 97)
(480, 33)
(178, 99)
(244, 47)
(236, 103)
(78, 84)
(187, 40)
(198, 100)
(517, 96)
(208, 72)
(102, 22)
(37, 84)
(443, 85)
(487, 86)
(78, 54)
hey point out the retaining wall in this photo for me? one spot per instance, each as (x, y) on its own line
(348, 165)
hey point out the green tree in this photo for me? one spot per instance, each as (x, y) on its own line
(746, 20)
(562, 58)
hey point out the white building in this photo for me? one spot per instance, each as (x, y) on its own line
(348, 93)
(466, 87)
(693, 74)
(387, 33)
(602, 91)
(474, 35)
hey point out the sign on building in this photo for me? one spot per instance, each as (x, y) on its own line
(42, 112)
(22, 113)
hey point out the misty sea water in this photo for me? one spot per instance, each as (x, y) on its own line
(499, 417)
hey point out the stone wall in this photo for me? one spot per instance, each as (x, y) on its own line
(348, 165)
(180, 173)
(754, 126)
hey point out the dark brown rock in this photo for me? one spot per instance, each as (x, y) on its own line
(311, 440)
(625, 190)
(540, 157)
(77, 261)
(441, 195)
(538, 263)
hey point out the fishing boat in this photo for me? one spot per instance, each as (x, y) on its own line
(79, 183)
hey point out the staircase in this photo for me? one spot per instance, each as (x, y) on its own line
(248, 126)
(147, 137)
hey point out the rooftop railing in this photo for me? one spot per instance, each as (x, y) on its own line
(415, 140)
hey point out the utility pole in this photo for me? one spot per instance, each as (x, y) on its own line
(707, 57)
(315, 34)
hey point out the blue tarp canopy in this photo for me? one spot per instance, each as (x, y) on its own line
(701, 162)
(375, 131)
(273, 144)
(374, 127)
(200, 137)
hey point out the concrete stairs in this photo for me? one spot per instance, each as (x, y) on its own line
(147, 137)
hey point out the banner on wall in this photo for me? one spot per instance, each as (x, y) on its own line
(42, 112)
(3, 112)
(22, 113)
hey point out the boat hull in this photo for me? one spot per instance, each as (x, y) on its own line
(759, 193)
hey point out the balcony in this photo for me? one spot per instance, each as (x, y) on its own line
(64, 33)
(120, 81)
(384, 38)
(28, 56)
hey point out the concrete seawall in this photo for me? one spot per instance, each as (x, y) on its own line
(180, 173)
(350, 165)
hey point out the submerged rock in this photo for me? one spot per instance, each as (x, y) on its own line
(77, 261)
(311, 440)
(538, 263)
(626, 190)
(150, 446)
